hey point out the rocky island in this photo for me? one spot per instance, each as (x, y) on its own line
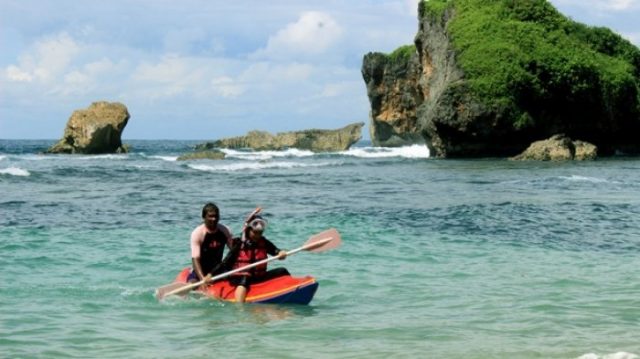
(486, 79)
(95, 130)
(314, 140)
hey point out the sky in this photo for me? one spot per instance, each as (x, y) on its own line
(201, 70)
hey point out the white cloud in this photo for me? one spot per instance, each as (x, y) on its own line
(226, 87)
(15, 74)
(601, 5)
(169, 77)
(312, 34)
(265, 72)
(619, 5)
(336, 89)
(76, 78)
(46, 60)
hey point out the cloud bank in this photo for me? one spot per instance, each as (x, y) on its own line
(207, 69)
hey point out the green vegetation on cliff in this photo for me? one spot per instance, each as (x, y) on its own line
(402, 53)
(527, 61)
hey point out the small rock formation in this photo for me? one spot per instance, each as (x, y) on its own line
(97, 129)
(558, 148)
(313, 140)
(202, 155)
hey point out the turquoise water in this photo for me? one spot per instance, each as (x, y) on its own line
(441, 259)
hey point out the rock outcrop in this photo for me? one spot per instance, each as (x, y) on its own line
(394, 94)
(489, 78)
(559, 148)
(97, 129)
(202, 155)
(313, 140)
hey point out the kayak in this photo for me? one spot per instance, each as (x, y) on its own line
(284, 289)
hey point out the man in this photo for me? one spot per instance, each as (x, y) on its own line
(207, 244)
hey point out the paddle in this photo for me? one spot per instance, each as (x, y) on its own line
(320, 242)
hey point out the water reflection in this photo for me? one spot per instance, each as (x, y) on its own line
(266, 313)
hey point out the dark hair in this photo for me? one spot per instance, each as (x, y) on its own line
(210, 207)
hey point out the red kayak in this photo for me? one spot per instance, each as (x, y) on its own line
(280, 290)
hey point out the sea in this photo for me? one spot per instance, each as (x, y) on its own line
(484, 258)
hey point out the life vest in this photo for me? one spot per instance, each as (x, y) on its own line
(249, 253)
(211, 250)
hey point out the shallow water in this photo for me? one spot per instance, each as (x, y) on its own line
(474, 259)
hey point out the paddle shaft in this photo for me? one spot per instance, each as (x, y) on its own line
(252, 265)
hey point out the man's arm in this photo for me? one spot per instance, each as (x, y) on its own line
(197, 237)
(195, 262)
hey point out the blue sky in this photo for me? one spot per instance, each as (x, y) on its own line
(198, 69)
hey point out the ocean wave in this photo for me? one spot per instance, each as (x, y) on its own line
(105, 156)
(68, 157)
(32, 157)
(267, 155)
(584, 179)
(14, 171)
(413, 151)
(241, 166)
(166, 158)
(618, 355)
(2, 157)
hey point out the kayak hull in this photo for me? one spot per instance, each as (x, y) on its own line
(280, 290)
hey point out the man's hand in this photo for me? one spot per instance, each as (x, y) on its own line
(282, 255)
(205, 281)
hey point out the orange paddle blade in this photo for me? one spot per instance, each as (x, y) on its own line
(323, 241)
(171, 288)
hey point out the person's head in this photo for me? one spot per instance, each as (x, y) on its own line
(256, 227)
(210, 215)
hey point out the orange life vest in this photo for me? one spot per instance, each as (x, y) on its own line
(249, 253)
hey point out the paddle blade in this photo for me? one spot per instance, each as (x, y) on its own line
(323, 241)
(170, 288)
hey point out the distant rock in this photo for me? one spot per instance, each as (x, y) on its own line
(313, 140)
(97, 129)
(202, 155)
(559, 148)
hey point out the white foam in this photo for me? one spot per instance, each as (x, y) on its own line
(413, 151)
(2, 157)
(241, 166)
(32, 157)
(266, 155)
(107, 156)
(618, 355)
(584, 179)
(14, 171)
(166, 158)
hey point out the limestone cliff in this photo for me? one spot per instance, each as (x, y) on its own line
(490, 78)
(97, 129)
(394, 93)
(313, 140)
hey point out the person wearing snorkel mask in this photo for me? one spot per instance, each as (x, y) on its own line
(252, 247)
